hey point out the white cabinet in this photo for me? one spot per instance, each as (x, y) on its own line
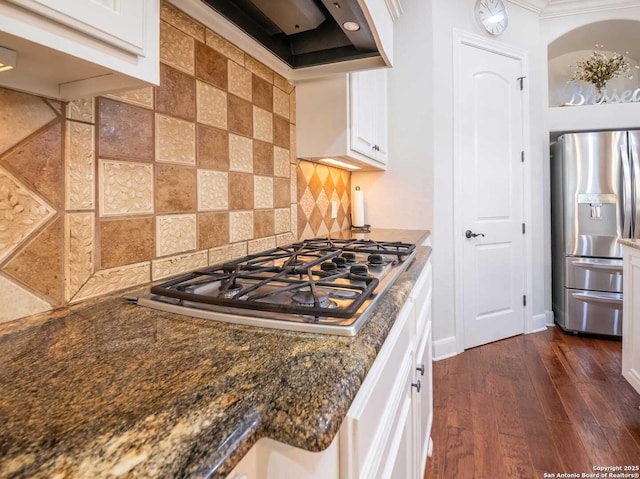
(423, 400)
(68, 49)
(631, 317)
(386, 433)
(369, 114)
(376, 417)
(344, 117)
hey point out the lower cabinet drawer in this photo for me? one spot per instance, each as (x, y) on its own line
(369, 422)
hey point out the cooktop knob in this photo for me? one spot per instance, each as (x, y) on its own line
(350, 257)
(328, 266)
(340, 262)
(375, 258)
(359, 269)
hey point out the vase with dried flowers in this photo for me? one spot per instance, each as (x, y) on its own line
(601, 67)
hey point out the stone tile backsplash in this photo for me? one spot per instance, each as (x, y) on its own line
(105, 193)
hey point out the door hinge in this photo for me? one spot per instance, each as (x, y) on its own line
(524, 300)
(522, 156)
(524, 228)
(521, 80)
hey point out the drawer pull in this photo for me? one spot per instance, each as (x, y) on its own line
(610, 267)
(416, 385)
(421, 369)
(596, 298)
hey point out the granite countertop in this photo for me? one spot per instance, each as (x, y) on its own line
(108, 388)
(384, 234)
(630, 242)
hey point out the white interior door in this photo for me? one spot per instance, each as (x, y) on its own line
(490, 191)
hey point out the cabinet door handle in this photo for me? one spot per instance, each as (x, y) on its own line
(416, 385)
(421, 369)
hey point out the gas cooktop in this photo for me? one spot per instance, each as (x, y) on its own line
(319, 285)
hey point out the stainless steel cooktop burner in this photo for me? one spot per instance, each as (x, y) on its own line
(319, 285)
(307, 298)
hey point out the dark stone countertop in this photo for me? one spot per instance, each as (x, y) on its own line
(107, 388)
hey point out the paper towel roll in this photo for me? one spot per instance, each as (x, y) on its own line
(357, 207)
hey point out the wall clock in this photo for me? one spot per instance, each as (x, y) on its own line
(492, 16)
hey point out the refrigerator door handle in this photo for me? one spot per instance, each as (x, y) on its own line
(635, 177)
(625, 202)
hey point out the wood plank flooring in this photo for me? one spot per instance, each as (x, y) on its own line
(541, 403)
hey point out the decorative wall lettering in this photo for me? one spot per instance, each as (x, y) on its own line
(579, 95)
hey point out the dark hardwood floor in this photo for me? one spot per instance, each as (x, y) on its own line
(541, 403)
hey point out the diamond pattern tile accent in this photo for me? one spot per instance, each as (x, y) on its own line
(317, 186)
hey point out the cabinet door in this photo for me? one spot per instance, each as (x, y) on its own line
(381, 117)
(423, 400)
(631, 315)
(399, 458)
(364, 88)
(119, 23)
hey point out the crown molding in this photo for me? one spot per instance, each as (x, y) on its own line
(395, 8)
(536, 6)
(560, 8)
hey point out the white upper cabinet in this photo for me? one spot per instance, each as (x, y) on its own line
(344, 117)
(68, 49)
(369, 114)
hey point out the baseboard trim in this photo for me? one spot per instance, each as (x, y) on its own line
(549, 317)
(539, 323)
(445, 348)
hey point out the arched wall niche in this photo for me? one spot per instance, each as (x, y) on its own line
(563, 53)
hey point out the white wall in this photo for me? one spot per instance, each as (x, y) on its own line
(402, 197)
(523, 32)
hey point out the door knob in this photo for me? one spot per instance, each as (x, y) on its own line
(471, 234)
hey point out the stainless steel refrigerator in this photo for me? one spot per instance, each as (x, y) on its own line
(595, 178)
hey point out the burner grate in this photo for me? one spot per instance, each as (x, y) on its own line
(260, 281)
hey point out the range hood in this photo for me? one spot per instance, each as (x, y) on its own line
(303, 33)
